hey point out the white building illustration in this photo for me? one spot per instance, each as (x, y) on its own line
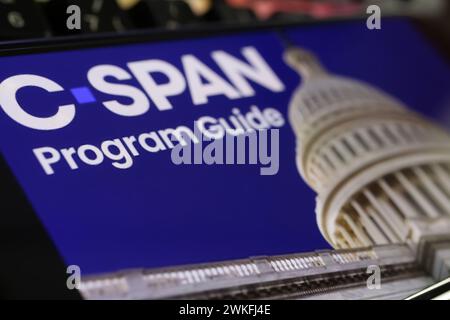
(381, 171)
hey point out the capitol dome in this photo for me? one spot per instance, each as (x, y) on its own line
(379, 169)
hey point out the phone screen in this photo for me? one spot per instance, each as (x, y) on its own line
(100, 139)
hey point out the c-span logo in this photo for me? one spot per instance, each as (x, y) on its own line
(195, 77)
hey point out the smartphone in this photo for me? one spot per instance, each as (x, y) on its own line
(90, 134)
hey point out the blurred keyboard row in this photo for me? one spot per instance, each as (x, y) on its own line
(39, 18)
(22, 19)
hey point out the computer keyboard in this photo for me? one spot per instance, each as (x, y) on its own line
(28, 19)
(36, 19)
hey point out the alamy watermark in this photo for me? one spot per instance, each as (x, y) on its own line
(257, 147)
(74, 279)
(374, 20)
(374, 280)
(73, 21)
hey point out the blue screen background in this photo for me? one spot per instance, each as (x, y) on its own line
(158, 214)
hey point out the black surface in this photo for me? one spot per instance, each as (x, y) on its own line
(21, 19)
(30, 267)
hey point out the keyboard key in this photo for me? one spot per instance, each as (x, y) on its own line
(21, 19)
(221, 11)
(162, 13)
